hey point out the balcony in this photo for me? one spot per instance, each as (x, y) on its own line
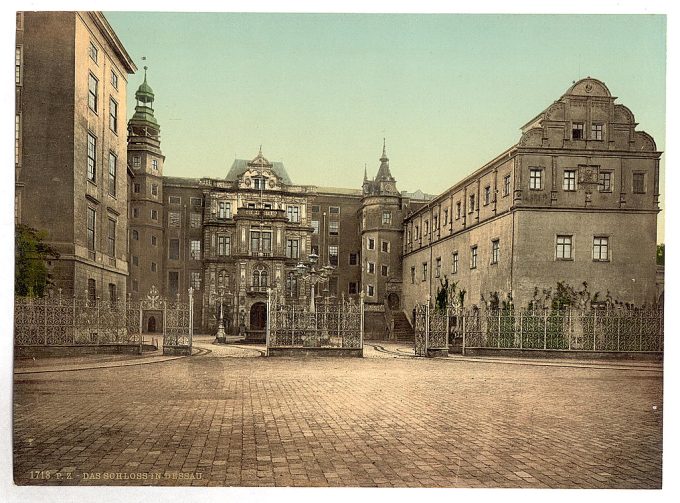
(255, 290)
(260, 214)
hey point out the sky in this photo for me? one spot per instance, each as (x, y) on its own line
(319, 92)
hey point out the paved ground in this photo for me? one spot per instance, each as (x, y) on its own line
(229, 417)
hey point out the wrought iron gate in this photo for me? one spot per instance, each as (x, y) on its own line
(431, 331)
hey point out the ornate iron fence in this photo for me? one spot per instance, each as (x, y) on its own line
(57, 321)
(330, 325)
(432, 327)
(601, 330)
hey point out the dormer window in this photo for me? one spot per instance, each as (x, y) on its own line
(259, 183)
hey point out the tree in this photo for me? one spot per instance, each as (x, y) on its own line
(660, 254)
(31, 253)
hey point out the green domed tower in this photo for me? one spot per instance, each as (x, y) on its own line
(146, 202)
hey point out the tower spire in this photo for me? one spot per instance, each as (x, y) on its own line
(365, 173)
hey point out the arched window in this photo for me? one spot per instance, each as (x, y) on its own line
(260, 278)
(223, 279)
(291, 284)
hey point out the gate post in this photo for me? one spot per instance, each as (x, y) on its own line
(361, 308)
(268, 324)
(463, 316)
(191, 318)
(427, 327)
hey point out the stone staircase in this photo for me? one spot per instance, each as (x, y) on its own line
(402, 328)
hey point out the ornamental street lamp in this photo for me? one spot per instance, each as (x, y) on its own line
(221, 335)
(313, 274)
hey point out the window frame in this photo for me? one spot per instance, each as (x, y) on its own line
(564, 242)
(643, 188)
(597, 131)
(113, 173)
(111, 237)
(293, 248)
(454, 262)
(569, 180)
(386, 217)
(92, 95)
(495, 251)
(333, 251)
(506, 185)
(474, 253)
(93, 52)
(580, 127)
(91, 157)
(535, 174)
(91, 230)
(113, 115)
(600, 246)
(601, 186)
(195, 249)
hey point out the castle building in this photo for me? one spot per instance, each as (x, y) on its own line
(576, 199)
(71, 176)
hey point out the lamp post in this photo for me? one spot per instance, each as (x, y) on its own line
(310, 272)
(221, 335)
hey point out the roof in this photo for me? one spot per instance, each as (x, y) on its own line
(338, 190)
(240, 166)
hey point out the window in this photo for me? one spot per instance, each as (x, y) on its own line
(385, 246)
(426, 227)
(173, 282)
(91, 220)
(435, 222)
(315, 209)
(154, 165)
(424, 271)
(223, 245)
(173, 249)
(136, 188)
(437, 267)
(370, 291)
(292, 248)
(333, 228)
(17, 139)
(291, 284)
(136, 161)
(473, 257)
(154, 241)
(601, 248)
(563, 248)
(638, 183)
(506, 185)
(91, 157)
(454, 262)
(92, 92)
(113, 115)
(113, 161)
(384, 270)
(457, 210)
(260, 277)
(370, 268)
(315, 250)
(195, 280)
(569, 180)
(333, 255)
(352, 288)
(154, 189)
(577, 131)
(111, 238)
(371, 244)
(315, 226)
(495, 250)
(487, 195)
(135, 235)
(135, 260)
(93, 51)
(154, 214)
(446, 216)
(416, 232)
(259, 183)
(174, 218)
(387, 217)
(174, 200)
(17, 66)
(334, 210)
(135, 285)
(413, 274)
(195, 249)
(114, 79)
(353, 259)
(195, 220)
(250, 205)
(154, 267)
(596, 131)
(293, 214)
(224, 209)
(472, 203)
(91, 290)
(260, 242)
(113, 295)
(535, 178)
(135, 212)
(605, 181)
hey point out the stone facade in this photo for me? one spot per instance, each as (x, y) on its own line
(70, 146)
(576, 199)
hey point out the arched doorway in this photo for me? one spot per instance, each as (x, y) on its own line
(393, 301)
(151, 324)
(258, 316)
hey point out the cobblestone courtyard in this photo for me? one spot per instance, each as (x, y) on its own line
(217, 419)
